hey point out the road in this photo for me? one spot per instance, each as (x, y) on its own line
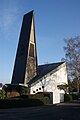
(48, 112)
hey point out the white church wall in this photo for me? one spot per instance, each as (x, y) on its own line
(51, 81)
(56, 96)
(49, 84)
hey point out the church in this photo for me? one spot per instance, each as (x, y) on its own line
(27, 72)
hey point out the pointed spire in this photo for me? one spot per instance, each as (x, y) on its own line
(25, 67)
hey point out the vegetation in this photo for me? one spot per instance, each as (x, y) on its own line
(72, 86)
(14, 103)
(24, 91)
(74, 97)
(67, 97)
(25, 100)
(2, 94)
(69, 92)
(43, 97)
(72, 54)
(64, 87)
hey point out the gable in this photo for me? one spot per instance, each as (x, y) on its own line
(47, 70)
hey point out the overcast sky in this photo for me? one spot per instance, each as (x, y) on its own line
(54, 21)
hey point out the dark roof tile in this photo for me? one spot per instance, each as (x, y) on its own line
(44, 70)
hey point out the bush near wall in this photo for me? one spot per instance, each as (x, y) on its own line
(74, 97)
(70, 97)
(25, 101)
(43, 97)
(67, 97)
(15, 90)
(24, 90)
(17, 103)
(42, 94)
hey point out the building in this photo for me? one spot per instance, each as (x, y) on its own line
(50, 76)
(26, 70)
(26, 66)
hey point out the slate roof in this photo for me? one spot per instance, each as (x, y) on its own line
(44, 70)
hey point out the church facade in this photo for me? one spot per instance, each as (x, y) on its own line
(50, 76)
(27, 72)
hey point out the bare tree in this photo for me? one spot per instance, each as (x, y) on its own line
(72, 54)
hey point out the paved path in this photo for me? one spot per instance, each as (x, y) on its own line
(63, 111)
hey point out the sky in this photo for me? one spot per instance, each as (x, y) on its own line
(54, 21)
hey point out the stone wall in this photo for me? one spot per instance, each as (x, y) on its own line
(31, 69)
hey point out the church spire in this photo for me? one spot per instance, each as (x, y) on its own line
(25, 67)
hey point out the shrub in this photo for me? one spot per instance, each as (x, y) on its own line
(24, 90)
(45, 100)
(12, 94)
(40, 96)
(2, 94)
(14, 103)
(25, 101)
(74, 97)
(67, 97)
(44, 94)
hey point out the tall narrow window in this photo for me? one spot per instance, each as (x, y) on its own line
(31, 52)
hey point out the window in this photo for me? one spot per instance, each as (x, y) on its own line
(39, 88)
(31, 52)
(36, 89)
(33, 91)
(42, 86)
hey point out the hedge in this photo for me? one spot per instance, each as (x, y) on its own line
(25, 101)
(67, 97)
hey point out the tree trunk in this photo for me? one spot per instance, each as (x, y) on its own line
(78, 84)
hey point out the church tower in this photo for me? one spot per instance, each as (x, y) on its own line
(25, 67)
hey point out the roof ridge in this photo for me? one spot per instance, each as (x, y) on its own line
(51, 63)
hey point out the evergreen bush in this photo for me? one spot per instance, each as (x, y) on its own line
(67, 97)
(74, 97)
(2, 94)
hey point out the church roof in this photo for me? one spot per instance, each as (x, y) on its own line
(44, 70)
